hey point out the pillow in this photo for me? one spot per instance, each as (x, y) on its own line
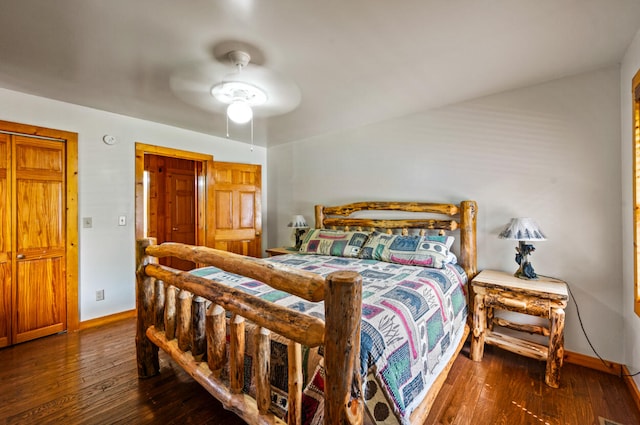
(334, 242)
(426, 251)
(447, 240)
(451, 258)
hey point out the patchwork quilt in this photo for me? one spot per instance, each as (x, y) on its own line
(412, 320)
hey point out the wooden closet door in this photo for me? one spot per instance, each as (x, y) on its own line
(5, 240)
(39, 290)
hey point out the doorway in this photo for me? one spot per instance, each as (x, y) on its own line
(225, 199)
(171, 196)
(171, 203)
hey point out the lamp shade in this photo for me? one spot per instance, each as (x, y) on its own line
(298, 222)
(522, 229)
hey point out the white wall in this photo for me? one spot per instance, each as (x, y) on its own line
(106, 186)
(550, 151)
(631, 339)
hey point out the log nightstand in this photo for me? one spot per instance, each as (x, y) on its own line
(281, 251)
(543, 297)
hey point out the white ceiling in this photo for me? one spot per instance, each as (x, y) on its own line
(355, 61)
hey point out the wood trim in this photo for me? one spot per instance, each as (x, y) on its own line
(106, 320)
(631, 384)
(210, 199)
(595, 363)
(73, 313)
(139, 192)
(71, 225)
(173, 153)
(635, 148)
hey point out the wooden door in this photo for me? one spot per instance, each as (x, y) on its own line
(181, 220)
(5, 241)
(38, 241)
(172, 203)
(237, 208)
(38, 232)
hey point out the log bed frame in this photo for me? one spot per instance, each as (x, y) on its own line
(185, 316)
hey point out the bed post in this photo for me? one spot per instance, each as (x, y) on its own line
(344, 402)
(319, 217)
(146, 351)
(468, 252)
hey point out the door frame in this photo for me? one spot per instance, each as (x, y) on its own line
(71, 225)
(204, 220)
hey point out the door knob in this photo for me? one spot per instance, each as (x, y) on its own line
(175, 229)
(20, 256)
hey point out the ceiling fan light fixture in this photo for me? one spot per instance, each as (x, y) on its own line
(240, 97)
(240, 112)
(230, 91)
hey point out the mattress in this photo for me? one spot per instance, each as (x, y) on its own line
(413, 318)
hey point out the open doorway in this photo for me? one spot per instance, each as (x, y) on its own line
(171, 197)
(223, 201)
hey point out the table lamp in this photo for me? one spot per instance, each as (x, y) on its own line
(523, 229)
(300, 224)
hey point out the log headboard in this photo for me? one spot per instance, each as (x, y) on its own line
(444, 217)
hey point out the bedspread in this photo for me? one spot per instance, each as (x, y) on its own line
(412, 319)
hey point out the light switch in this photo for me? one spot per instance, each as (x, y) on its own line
(122, 220)
(87, 222)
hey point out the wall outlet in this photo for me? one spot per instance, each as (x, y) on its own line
(100, 295)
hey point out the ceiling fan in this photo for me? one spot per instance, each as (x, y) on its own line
(239, 88)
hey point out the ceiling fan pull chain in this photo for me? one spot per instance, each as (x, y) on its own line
(227, 125)
(251, 134)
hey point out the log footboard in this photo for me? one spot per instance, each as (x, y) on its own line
(185, 316)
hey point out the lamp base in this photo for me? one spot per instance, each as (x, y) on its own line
(526, 272)
(299, 233)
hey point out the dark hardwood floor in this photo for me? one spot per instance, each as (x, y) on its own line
(90, 377)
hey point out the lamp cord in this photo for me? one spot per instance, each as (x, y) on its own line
(585, 332)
